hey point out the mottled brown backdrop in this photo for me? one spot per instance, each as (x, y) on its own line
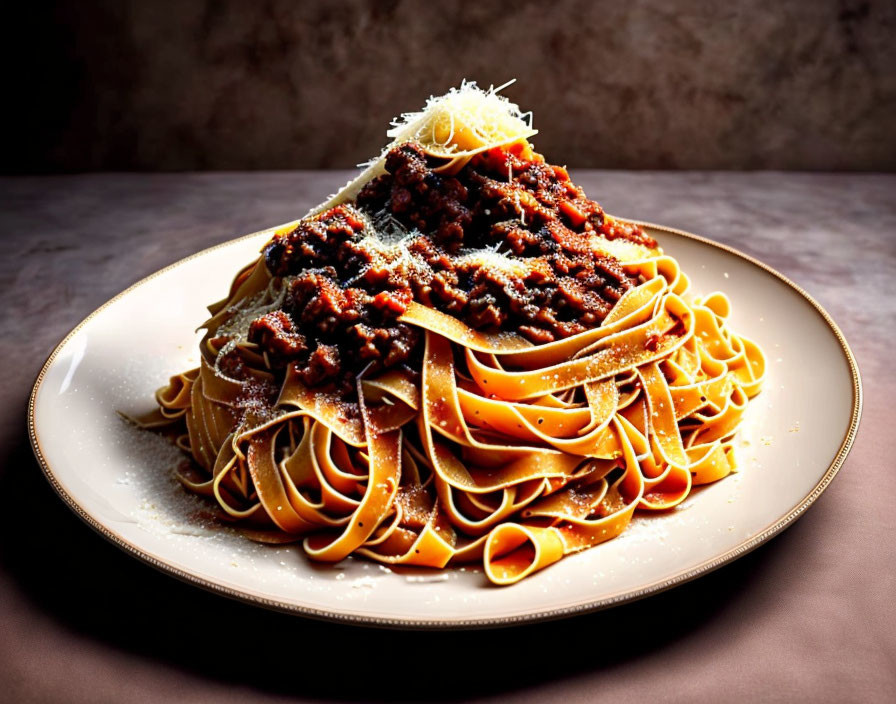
(205, 84)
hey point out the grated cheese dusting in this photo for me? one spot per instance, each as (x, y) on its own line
(497, 261)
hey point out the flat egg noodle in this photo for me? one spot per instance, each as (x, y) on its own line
(515, 550)
(616, 353)
(441, 413)
(310, 468)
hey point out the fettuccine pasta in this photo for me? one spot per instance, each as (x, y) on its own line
(381, 383)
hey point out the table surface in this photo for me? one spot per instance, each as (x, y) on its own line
(808, 616)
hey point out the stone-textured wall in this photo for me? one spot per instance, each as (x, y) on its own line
(211, 84)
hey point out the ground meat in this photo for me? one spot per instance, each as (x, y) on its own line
(344, 329)
(275, 332)
(314, 243)
(503, 244)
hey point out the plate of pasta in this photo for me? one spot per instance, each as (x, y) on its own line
(457, 393)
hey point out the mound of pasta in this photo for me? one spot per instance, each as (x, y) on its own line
(459, 358)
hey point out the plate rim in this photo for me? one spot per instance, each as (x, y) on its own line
(360, 619)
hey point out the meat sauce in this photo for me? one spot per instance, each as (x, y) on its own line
(503, 244)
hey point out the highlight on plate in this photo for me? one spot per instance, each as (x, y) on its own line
(459, 358)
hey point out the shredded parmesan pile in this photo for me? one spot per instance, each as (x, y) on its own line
(464, 121)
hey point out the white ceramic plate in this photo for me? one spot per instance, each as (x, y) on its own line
(119, 479)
